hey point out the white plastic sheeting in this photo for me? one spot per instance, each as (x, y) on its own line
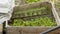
(6, 9)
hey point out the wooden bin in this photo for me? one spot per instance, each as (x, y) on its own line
(25, 29)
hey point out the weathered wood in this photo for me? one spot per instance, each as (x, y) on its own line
(1, 28)
(30, 30)
(25, 30)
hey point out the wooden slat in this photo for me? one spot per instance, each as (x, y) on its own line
(1, 28)
(26, 30)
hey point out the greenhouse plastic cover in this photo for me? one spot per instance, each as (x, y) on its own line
(6, 8)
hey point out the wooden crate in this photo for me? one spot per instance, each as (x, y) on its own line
(28, 30)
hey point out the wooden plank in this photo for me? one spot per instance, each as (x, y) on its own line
(1, 28)
(25, 30)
